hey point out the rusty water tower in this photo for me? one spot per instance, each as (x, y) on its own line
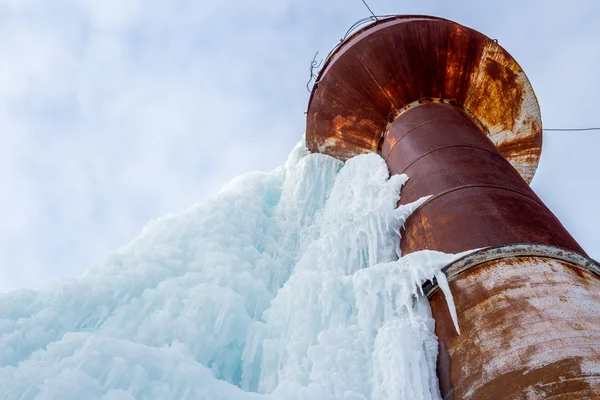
(450, 108)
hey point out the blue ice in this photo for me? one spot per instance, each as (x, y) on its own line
(284, 285)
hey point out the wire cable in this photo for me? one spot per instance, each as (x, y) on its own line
(314, 64)
(570, 129)
(369, 8)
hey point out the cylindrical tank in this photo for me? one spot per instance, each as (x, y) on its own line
(479, 199)
(529, 322)
(453, 110)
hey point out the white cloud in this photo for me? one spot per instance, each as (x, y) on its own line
(115, 112)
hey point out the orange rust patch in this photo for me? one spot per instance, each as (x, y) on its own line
(517, 340)
(397, 61)
(501, 85)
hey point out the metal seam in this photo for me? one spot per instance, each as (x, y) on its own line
(453, 122)
(395, 107)
(479, 258)
(429, 200)
(358, 57)
(456, 145)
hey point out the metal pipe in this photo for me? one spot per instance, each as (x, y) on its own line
(529, 322)
(506, 306)
(454, 111)
(479, 199)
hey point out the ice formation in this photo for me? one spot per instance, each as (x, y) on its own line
(284, 285)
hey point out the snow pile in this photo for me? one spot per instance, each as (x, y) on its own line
(285, 285)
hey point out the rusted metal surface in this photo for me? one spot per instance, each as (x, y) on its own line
(482, 256)
(478, 198)
(440, 148)
(454, 111)
(529, 317)
(389, 67)
(472, 217)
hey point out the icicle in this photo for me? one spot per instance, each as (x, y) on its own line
(443, 284)
(285, 285)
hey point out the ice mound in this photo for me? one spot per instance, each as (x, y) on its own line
(284, 285)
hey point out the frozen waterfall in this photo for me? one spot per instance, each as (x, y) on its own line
(284, 285)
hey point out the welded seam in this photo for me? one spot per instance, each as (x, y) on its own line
(520, 250)
(394, 105)
(455, 145)
(447, 101)
(436, 196)
(490, 254)
(452, 121)
(376, 81)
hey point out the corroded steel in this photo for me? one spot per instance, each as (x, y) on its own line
(454, 111)
(478, 198)
(397, 63)
(488, 254)
(529, 317)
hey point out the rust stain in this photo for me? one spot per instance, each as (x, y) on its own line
(499, 79)
(401, 60)
(477, 217)
(453, 110)
(479, 199)
(517, 341)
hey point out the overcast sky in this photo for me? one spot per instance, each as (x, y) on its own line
(114, 112)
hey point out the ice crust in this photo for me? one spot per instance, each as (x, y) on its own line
(284, 285)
